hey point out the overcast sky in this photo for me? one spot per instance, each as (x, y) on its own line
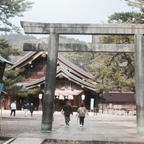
(73, 11)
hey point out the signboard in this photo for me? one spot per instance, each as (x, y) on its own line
(92, 104)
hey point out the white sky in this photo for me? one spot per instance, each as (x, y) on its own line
(73, 11)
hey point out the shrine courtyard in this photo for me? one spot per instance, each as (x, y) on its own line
(100, 128)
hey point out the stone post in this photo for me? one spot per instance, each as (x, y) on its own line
(139, 72)
(50, 82)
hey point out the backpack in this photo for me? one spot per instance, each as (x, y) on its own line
(82, 111)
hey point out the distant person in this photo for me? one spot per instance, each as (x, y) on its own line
(26, 108)
(13, 108)
(31, 109)
(67, 110)
(81, 113)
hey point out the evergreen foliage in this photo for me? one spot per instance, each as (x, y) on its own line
(113, 72)
(6, 50)
(14, 84)
(116, 71)
(136, 4)
(127, 17)
(10, 9)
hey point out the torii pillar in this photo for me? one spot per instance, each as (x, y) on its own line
(139, 76)
(50, 83)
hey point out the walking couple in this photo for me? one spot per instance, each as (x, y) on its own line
(67, 110)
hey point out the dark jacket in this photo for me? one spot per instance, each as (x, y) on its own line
(67, 110)
(31, 108)
(26, 106)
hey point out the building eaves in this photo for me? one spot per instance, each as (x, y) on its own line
(81, 81)
(70, 75)
(60, 58)
(75, 67)
(23, 59)
(3, 60)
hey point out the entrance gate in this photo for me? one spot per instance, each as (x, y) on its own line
(87, 29)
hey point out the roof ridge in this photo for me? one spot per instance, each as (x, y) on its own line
(78, 69)
(23, 58)
(60, 57)
(72, 76)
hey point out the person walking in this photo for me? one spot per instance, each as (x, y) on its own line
(31, 109)
(81, 113)
(26, 108)
(13, 108)
(67, 110)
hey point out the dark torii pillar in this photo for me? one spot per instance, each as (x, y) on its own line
(139, 72)
(50, 83)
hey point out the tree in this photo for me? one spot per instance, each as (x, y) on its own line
(113, 72)
(116, 71)
(136, 4)
(14, 84)
(10, 9)
(127, 17)
(6, 50)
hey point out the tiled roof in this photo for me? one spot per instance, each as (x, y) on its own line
(23, 59)
(60, 58)
(70, 75)
(73, 66)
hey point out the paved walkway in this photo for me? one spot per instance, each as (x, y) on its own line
(102, 128)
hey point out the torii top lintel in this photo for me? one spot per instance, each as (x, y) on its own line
(82, 29)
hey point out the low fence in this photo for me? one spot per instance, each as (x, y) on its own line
(126, 109)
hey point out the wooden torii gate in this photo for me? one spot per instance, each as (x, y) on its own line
(87, 29)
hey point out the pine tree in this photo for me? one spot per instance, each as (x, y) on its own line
(136, 4)
(6, 50)
(10, 9)
(14, 84)
(116, 71)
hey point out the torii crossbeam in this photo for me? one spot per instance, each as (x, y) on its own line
(78, 47)
(104, 29)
